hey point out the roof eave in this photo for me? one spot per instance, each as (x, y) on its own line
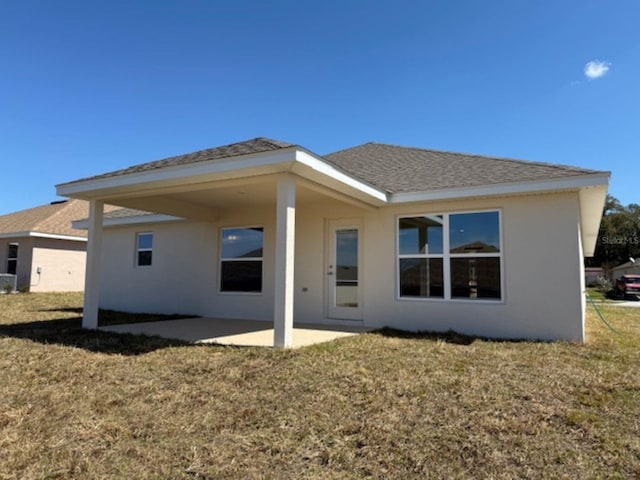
(290, 159)
(225, 168)
(55, 236)
(514, 188)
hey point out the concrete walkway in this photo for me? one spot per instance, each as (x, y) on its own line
(624, 304)
(234, 332)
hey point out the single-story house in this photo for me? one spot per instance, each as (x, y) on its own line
(41, 248)
(627, 268)
(375, 235)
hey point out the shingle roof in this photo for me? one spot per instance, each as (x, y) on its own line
(54, 218)
(126, 213)
(391, 168)
(255, 145)
(398, 169)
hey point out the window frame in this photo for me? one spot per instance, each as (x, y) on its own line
(222, 260)
(139, 250)
(447, 256)
(13, 260)
(422, 256)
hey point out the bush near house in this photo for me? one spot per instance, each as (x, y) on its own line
(79, 404)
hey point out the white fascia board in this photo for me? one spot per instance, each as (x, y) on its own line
(124, 221)
(566, 183)
(55, 236)
(244, 165)
(327, 170)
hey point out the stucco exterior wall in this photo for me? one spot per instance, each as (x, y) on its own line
(61, 264)
(541, 265)
(23, 270)
(184, 275)
(541, 268)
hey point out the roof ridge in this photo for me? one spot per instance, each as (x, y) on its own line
(351, 148)
(274, 142)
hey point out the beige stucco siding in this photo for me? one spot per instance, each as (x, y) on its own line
(541, 269)
(23, 270)
(61, 264)
(541, 265)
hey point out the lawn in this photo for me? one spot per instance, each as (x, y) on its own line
(77, 404)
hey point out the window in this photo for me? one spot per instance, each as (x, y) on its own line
(241, 260)
(450, 256)
(12, 258)
(421, 256)
(144, 249)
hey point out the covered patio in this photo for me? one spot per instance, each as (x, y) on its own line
(213, 186)
(245, 333)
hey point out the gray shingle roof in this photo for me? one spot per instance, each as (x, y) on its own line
(406, 169)
(391, 168)
(255, 145)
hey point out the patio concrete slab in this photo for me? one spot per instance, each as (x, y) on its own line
(235, 332)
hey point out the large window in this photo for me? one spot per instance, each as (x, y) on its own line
(241, 260)
(144, 249)
(450, 256)
(12, 258)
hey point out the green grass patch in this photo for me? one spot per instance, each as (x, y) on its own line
(78, 404)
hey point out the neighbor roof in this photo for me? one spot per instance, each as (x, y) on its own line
(53, 219)
(398, 169)
(391, 168)
(255, 145)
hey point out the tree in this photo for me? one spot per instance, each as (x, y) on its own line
(619, 236)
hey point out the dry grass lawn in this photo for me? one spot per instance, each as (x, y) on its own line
(77, 404)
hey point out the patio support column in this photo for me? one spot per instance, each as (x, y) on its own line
(92, 273)
(284, 258)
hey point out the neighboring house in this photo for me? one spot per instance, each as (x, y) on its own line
(593, 275)
(42, 249)
(627, 268)
(375, 235)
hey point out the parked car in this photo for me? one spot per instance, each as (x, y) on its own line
(627, 287)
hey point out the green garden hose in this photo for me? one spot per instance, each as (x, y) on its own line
(609, 326)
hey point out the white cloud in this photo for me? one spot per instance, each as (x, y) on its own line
(596, 69)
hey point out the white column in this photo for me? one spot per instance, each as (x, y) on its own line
(92, 273)
(284, 258)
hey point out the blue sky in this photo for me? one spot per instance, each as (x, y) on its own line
(91, 86)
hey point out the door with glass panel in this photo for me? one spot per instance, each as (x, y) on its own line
(344, 272)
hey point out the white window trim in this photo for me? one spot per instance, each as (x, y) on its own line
(138, 250)
(446, 256)
(244, 259)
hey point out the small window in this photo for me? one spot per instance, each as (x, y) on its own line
(144, 249)
(12, 258)
(241, 260)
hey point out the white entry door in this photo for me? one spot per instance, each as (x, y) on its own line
(344, 272)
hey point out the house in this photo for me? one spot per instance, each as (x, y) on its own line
(375, 235)
(593, 275)
(41, 248)
(632, 267)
